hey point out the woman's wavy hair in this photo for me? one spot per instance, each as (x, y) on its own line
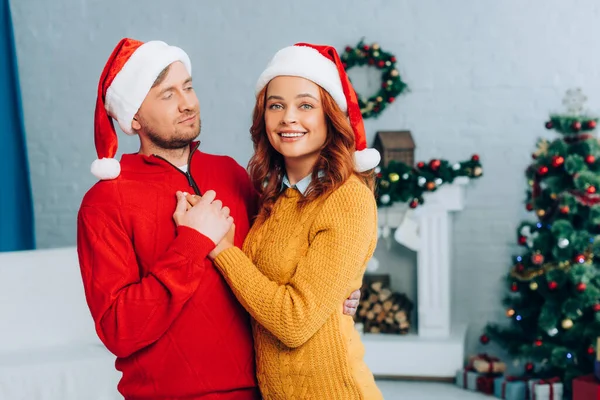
(336, 159)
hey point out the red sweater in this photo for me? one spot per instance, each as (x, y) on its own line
(158, 303)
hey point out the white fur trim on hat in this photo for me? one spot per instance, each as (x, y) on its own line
(131, 85)
(305, 62)
(366, 159)
(106, 168)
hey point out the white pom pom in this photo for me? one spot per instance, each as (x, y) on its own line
(106, 168)
(366, 159)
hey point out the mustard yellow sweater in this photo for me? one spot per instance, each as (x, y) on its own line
(295, 271)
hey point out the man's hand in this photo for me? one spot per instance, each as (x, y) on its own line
(351, 303)
(207, 216)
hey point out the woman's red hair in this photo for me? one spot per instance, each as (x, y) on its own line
(336, 159)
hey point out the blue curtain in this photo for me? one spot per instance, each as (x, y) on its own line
(16, 208)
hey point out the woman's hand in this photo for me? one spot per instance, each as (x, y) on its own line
(207, 215)
(227, 242)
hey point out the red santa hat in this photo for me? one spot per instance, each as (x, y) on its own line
(322, 65)
(126, 79)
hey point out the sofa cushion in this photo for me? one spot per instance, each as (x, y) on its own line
(42, 302)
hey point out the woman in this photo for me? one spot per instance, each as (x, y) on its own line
(315, 232)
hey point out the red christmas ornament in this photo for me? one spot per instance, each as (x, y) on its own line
(393, 59)
(348, 49)
(384, 85)
(576, 126)
(435, 164)
(590, 124)
(533, 156)
(344, 65)
(420, 164)
(557, 161)
(581, 287)
(371, 61)
(543, 170)
(538, 342)
(475, 157)
(366, 47)
(580, 258)
(564, 210)
(414, 204)
(514, 287)
(522, 240)
(591, 189)
(590, 159)
(520, 267)
(549, 125)
(391, 99)
(484, 339)
(529, 367)
(381, 64)
(552, 285)
(591, 350)
(529, 206)
(537, 259)
(596, 307)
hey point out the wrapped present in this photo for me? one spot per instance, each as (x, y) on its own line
(586, 388)
(597, 363)
(511, 388)
(467, 379)
(486, 364)
(485, 383)
(546, 389)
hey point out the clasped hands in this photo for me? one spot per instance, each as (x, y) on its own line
(208, 216)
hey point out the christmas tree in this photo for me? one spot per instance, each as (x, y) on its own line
(553, 299)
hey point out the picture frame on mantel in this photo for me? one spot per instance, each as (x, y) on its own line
(396, 146)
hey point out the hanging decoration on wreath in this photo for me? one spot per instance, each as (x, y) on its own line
(391, 82)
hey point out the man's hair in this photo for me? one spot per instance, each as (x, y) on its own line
(161, 77)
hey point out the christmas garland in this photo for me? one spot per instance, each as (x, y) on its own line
(402, 183)
(391, 83)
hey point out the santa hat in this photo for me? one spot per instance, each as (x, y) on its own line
(322, 65)
(126, 79)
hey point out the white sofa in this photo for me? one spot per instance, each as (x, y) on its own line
(48, 347)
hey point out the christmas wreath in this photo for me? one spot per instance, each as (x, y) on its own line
(391, 83)
(402, 183)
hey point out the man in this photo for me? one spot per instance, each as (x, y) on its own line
(158, 303)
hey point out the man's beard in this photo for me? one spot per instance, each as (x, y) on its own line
(178, 140)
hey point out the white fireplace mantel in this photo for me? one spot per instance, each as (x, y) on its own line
(437, 349)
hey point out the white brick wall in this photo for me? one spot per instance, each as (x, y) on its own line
(484, 74)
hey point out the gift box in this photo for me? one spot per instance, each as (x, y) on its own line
(467, 379)
(597, 363)
(511, 388)
(546, 389)
(485, 383)
(486, 364)
(586, 388)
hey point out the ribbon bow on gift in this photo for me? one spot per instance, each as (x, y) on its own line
(485, 384)
(490, 360)
(550, 382)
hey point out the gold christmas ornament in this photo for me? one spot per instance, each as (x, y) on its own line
(379, 99)
(375, 53)
(375, 46)
(477, 171)
(553, 196)
(394, 177)
(533, 286)
(394, 72)
(567, 323)
(510, 312)
(541, 213)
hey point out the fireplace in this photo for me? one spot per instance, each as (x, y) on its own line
(436, 350)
